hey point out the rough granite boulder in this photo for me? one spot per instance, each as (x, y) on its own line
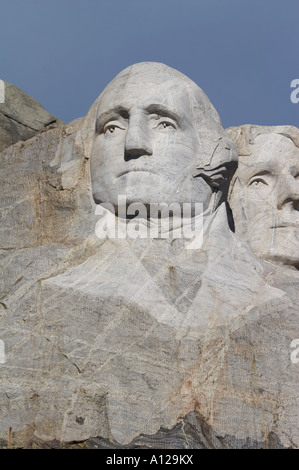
(21, 116)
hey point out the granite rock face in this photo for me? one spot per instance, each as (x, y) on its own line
(21, 116)
(264, 194)
(140, 342)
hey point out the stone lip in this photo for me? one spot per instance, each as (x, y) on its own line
(21, 117)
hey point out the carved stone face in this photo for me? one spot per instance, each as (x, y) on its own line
(146, 142)
(265, 198)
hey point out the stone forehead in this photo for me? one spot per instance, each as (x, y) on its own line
(245, 136)
(137, 80)
(153, 72)
(269, 151)
(140, 79)
(216, 147)
(277, 142)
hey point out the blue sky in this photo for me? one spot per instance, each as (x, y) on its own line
(242, 53)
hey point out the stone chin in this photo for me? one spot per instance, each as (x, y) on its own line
(280, 245)
(287, 255)
(283, 259)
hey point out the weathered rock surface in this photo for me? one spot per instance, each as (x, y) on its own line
(264, 193)
(136, 343)
(21, 116)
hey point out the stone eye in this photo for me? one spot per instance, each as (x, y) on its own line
(166, 125)
(258, 182)
(110, 129)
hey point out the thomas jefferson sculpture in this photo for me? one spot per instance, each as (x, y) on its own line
(265, 191)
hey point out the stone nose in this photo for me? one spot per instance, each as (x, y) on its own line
(138, 141)
(288, 193)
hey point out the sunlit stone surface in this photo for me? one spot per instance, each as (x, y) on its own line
(140, 342)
